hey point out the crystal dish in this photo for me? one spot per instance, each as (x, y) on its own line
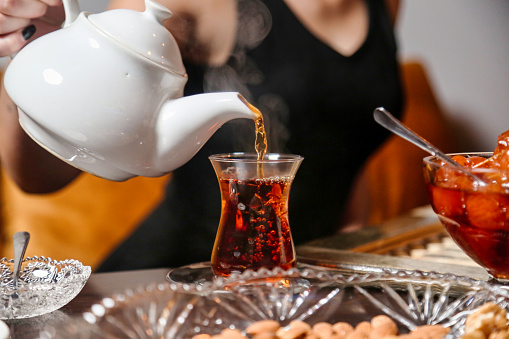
(172, 310)
(44, 285)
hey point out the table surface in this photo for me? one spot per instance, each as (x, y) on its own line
(99, 285)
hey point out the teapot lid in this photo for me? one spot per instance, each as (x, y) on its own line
(144, 33)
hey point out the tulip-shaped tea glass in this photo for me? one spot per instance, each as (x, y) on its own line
(254, 229)
(475, 216)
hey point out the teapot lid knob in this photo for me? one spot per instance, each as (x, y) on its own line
(158, 12)
(143, 33)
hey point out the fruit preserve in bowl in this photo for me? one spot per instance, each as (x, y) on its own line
(475, 213)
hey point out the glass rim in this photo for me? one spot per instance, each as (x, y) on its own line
(430, 158)
(434, 161)
(248, 157)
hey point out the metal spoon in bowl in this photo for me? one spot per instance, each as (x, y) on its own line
(387, 120)
(20, 241)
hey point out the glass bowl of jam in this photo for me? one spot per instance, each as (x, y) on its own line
(474, 209)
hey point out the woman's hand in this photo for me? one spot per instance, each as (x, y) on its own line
(23, 20)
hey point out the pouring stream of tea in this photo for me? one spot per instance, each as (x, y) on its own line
(260, 139)
(387, 120)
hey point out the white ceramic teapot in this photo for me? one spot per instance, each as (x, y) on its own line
(104, 94)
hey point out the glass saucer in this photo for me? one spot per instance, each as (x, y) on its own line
(196, 274)
(201, 273)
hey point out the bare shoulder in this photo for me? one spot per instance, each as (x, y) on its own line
(205, 30)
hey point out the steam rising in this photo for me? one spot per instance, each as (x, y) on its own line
(254, 23)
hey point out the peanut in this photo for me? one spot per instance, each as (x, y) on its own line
(382, 326)
(265, 335)
(296, 329)
(262, 326)
(342, 329)
(323, 330)
(430, 332)
(357, 335)
(363, 326)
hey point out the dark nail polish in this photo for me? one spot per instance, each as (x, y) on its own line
(28, 32)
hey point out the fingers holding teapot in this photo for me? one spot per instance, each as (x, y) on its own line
(51, 21)
(25, 20)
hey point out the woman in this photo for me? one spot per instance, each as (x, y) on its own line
(316, 69)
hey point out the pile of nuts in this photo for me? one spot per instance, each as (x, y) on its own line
(487, 322)
(380, 327)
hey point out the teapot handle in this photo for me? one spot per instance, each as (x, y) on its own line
(72, 10)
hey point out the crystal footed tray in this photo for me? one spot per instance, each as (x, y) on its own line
(44, 285)
(178, 310)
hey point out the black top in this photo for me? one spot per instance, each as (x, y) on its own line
(316, 103)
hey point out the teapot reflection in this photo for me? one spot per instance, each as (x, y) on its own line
(117, 111)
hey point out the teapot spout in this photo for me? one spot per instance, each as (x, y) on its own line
(185, 124)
